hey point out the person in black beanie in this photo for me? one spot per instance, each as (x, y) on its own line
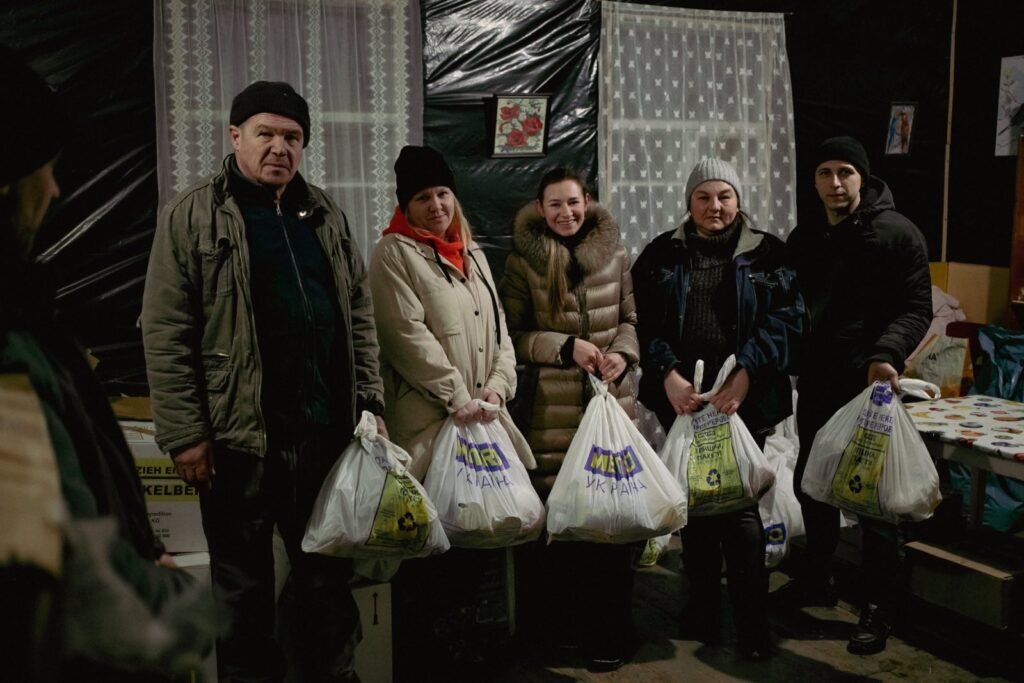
(64, 457)
(712, 288)
(863, 270)
(261, 353)
(444, 344)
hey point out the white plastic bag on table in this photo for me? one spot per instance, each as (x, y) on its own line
(481, 488)
(869, 458)
(612, 487)
(370, 507)
(714, 457)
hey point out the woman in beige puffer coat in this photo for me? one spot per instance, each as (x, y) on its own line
(580, 320)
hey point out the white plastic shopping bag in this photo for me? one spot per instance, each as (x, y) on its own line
(480, 486)
(714, 456)
(370, 507)
(780, 510)
(870, 459)
(612, 487)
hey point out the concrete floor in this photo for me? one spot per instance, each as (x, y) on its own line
(811, 646)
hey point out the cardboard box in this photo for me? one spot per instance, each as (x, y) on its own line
(173, 505)
(373, 655)
(982, 589)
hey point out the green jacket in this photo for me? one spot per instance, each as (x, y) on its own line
(204, 367)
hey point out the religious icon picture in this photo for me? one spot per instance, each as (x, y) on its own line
(518, 125)
(901, 125)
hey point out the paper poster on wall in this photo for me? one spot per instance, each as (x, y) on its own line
(901, 125)
(1009, 115)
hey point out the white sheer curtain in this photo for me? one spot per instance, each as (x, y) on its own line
(680, 85)
(357, 62)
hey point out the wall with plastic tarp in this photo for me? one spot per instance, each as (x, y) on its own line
(476, 48)
(95, 241)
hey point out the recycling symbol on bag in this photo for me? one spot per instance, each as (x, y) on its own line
(407, 522)
(855, 484)
(714, 478)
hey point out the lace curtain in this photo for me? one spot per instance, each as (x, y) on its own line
(357, 62)
(679, 85)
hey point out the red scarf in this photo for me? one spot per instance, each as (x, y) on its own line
(449, 248)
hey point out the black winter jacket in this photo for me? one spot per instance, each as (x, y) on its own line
(867, 288)
(770, 320)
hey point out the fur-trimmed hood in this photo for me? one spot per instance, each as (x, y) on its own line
(531, 236)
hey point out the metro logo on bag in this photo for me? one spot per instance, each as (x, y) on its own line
(712, 471)
(860, 469)
(616, 465)
(480, 456)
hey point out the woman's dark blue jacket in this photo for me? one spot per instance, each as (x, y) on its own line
(770, 320)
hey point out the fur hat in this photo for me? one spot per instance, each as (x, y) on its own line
(32, 113)
(709, 168)
(843, 148)
(420, 167)
(271, 97)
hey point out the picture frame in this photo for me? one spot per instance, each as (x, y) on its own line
(517, 124)
(900, 129)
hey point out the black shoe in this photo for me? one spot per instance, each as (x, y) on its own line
(803, 593)
(605, 663)
(872, 632)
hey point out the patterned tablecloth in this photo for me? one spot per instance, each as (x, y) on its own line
(993, 425)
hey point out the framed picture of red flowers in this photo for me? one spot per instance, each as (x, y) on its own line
(518, 125)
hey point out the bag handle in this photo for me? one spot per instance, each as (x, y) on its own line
(698, 376)
(489, 407)
(919, 388)
(599, 386)
(727, 367)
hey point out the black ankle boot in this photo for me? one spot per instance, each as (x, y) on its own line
(872, 632)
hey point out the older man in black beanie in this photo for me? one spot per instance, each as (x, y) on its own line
(863, 271)
(261, 352)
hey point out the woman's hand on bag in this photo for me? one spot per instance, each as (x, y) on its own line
(467, 413)
(611, 366)
(681, 394)
(734, 390)
(884, 372)
(586, 355)
(490, 415)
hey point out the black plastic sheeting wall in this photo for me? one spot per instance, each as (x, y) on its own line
(96, 239)
(848, 61)
(476, 48)
(981, 185)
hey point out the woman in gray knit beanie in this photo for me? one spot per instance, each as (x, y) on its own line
(711, 288)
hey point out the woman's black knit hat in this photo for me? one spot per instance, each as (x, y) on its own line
(420, 167)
